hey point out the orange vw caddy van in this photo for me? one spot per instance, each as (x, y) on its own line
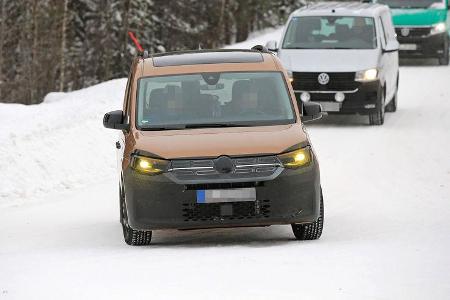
(214, 139)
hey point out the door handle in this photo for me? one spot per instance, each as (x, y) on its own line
(118, 146)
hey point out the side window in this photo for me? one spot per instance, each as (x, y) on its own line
(383, 33)
(388, 27)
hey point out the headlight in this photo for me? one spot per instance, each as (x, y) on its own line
(367, 75)
(147, 165)
(439, 28)
(296, 159)
(291, 76)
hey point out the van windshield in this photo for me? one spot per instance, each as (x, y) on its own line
(330, 32)
(213, 100)
(413, 3)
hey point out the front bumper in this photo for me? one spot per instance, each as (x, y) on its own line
(157, 202)
(429, 46)
(364, 100)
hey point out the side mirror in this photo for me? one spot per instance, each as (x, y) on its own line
(272, 46)
(311, 112)
(115, 120)
(391, 46)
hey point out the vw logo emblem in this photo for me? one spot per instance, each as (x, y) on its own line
(223, 164)
(323, 78)
(404, 31)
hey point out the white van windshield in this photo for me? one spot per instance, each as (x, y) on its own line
(213, 100)
(413, 3)
(330, 32)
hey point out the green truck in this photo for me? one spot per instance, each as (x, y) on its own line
(421, 27)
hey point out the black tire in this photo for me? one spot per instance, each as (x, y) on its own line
(377, 118)
(392, 106)
(443, 61)
(310, 231)
(131, 236)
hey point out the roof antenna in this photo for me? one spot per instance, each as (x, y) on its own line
(135, 41)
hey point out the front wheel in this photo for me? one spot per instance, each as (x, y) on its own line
(377, 118)
(392, 106)
(443, 61)
(310, 231)
(131, 236)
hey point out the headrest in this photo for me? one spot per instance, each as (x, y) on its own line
(157, 98)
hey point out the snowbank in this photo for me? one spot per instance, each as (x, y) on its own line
(59, 144)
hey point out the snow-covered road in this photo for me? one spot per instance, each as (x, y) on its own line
(386, 236)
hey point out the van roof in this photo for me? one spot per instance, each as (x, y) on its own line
(341, 9)
(222, 60)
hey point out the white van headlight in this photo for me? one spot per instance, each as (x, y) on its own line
(439, 28)
(367, 75)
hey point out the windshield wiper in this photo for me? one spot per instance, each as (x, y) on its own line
(160, 128)
(214, 125)
(191, 126)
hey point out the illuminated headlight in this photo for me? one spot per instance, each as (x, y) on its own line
(305, 96)
(147, 165)
(439, 28)
(296, 159)
(367, 75)
(291, 76)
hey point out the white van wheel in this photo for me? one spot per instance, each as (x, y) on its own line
(377, 118)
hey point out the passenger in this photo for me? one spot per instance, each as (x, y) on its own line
(362, 31)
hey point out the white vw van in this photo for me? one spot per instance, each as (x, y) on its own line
(343, 55)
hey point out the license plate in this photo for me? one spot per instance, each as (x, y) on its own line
(330, 106)
(227, 195)
(408, 47)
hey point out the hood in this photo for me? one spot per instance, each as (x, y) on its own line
(214, 142)
(418, 17)
(329, 60)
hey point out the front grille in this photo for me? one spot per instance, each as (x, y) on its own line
(322, 97)
(243, 169)
(414, 32)
(339, 81)
(214, 211)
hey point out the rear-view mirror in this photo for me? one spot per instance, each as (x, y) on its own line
(391, 46)
(115, 120)
(311, 112)
(272, 46)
